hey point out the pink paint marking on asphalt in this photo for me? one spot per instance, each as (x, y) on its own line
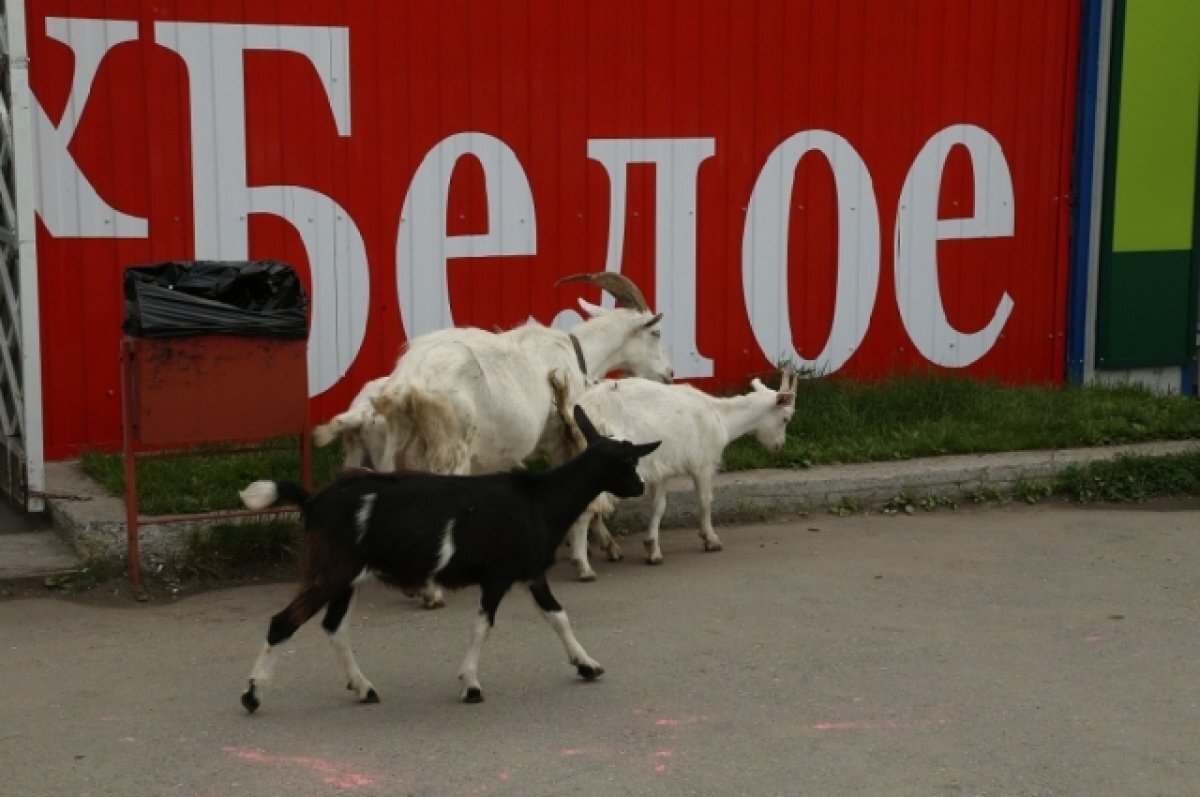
(855, 726)
(1095, 638)
(671, 722)
(874, 725)
(660, 757)
(329, 772)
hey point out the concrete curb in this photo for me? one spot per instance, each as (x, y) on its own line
(747, 496)
(92, 522)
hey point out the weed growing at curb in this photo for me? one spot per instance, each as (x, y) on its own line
(984, 494)
(88, 575)
(224, 550)
(1132, 479)
(1031, 492)
(932, 502)
(845, 505)
(901, 502)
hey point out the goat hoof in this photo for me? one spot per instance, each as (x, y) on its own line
(473, 695)
(588, 576)
(712, 547)
(434, 603)
(654, 560)
(372, 696)
(589, 672)
(615, 556)
(250, 700)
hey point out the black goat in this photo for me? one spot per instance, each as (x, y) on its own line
(409, 528)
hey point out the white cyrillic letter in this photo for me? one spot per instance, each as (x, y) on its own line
(223, 202)
(423, 246)
(765, 251)
(677, 164)
(918, 229)
(67, 202)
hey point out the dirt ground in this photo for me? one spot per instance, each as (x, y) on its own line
(1011, 650)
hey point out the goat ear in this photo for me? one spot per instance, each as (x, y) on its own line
(757, 384)
(652, 321)
(585, 424)
(593, 310)
(786, 399)
(642, 449)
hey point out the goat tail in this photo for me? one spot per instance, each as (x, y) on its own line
(262, 494)
(341, 425)
(324, 434)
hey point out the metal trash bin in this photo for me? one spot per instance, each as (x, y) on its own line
(214, 354)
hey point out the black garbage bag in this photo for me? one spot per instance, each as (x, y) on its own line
(262, 298)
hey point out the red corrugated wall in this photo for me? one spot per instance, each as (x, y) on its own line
(545, 78)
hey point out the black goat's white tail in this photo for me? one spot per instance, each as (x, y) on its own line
(263, 494)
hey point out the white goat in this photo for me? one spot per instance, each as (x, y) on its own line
(517, 361)
(469, 401)
(695, 428)
(464, 401)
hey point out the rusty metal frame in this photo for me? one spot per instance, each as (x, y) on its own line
(134, 446)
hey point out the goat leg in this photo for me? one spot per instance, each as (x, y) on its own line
(577, 536)
(703, 483)
(604, 538)
(337, 625)
(657, 493)
(587, 667)
(489, 602)
(307, 602)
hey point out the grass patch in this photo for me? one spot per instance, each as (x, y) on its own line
(205, 482)
(837, 420)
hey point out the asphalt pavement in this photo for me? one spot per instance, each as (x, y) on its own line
(1009, 650)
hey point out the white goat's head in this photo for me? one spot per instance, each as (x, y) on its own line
(640, 351)
(771, 429)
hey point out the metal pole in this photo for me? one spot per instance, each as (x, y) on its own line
(128, 354)
(24, 177)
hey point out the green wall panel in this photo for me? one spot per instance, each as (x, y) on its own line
(1145, 310)
(1148, 255)
(1156, 149)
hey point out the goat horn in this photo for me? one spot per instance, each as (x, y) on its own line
(620, 286)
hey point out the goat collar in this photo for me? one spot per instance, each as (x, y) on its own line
(578, 354)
